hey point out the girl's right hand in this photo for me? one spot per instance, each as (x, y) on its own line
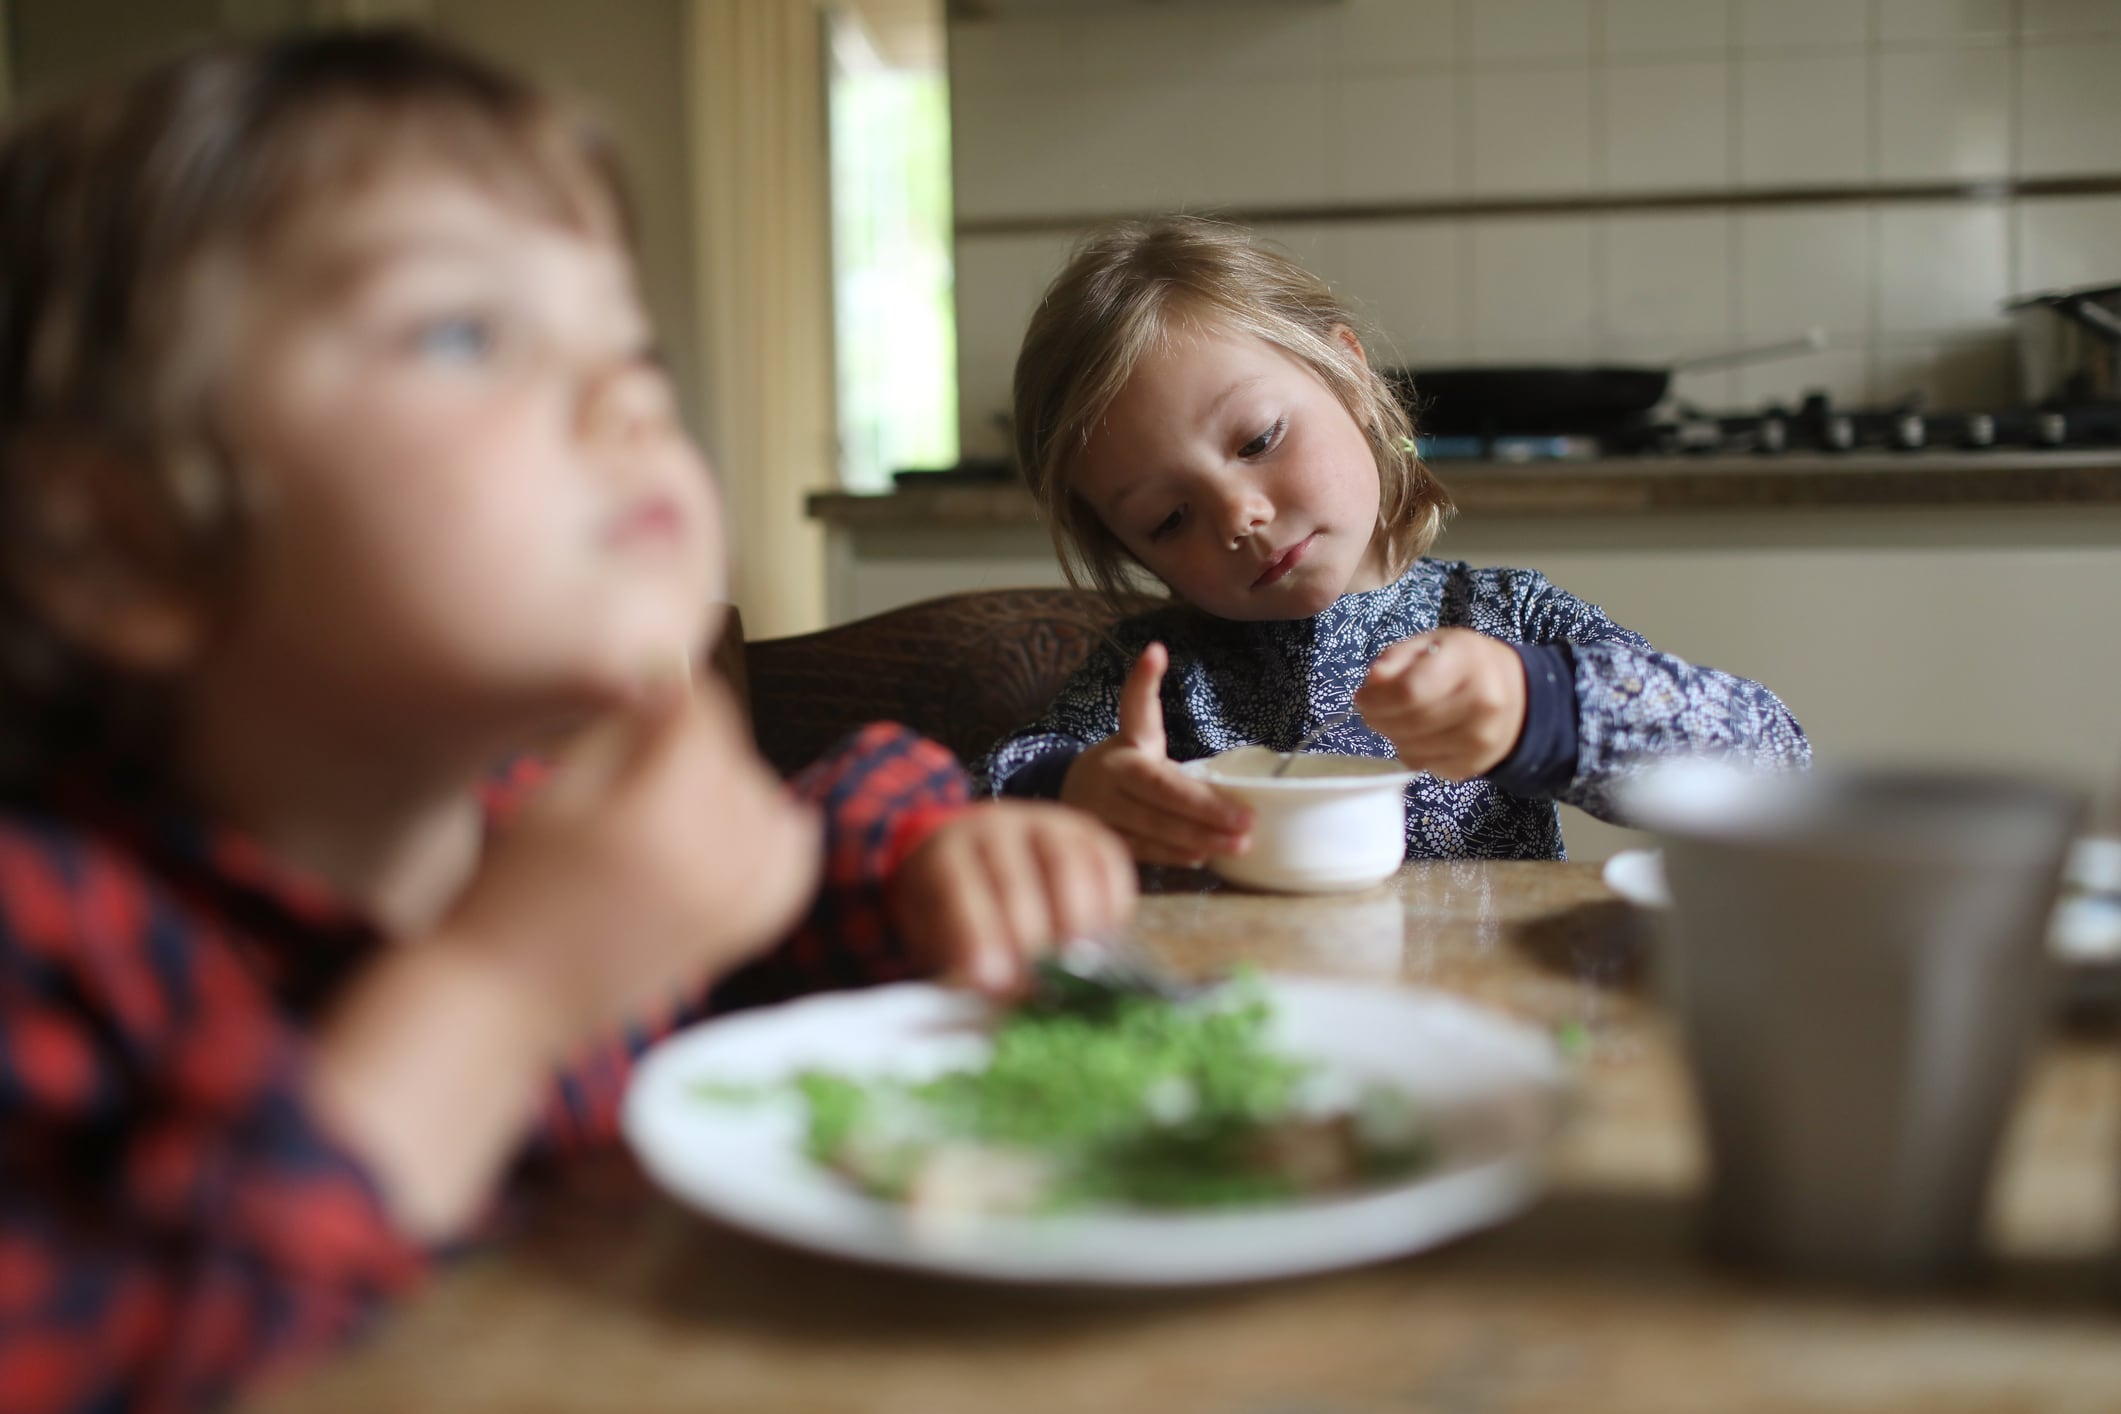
(1127, 781)
(662, 853)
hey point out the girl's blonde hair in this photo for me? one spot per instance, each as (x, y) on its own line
(1130, 287)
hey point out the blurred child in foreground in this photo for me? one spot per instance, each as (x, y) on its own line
(339, 470)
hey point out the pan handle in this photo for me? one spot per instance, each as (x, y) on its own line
(2093, 316)
(1811, 341)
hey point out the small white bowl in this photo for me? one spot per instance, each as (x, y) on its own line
(1333, 824)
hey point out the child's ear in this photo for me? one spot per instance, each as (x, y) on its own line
(94, 560)
(1345, 337)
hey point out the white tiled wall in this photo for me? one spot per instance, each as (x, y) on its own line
(1803, 118)
(1666, 278)
(2070, 241)
(1667, 125)
(1302, 106)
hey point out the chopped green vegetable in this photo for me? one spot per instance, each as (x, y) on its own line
(1137, 1100)
(835, 1109)
(733, 1092)
(1075, 1079)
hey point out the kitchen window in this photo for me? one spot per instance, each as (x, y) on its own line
(895, 329)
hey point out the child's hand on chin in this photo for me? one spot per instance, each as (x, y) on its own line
(1002, 883)
(1451, 701)
(662, 853)
(1126, 780)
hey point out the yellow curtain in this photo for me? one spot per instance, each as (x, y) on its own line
(756, 99)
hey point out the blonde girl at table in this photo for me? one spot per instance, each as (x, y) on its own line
(1193, 406)
(338, 471)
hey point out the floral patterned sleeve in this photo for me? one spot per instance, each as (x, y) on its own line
(1635, 704)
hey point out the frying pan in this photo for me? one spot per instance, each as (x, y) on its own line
(1488, 400)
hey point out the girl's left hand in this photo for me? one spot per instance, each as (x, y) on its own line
(1451, 701)
(1004, 882)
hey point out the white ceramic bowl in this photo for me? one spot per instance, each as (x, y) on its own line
(1334, 823)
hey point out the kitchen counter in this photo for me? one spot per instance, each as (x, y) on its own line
(1628, 485)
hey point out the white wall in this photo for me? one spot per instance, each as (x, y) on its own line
(1442, 102)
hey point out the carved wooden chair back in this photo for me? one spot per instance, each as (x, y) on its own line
(964, 669)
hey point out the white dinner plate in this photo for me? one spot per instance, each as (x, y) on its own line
(1490, 1087)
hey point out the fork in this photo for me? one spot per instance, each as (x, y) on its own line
(1093, 973)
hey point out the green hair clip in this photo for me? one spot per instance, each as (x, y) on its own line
(1406, 444)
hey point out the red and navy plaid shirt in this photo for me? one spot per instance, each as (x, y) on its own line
(174, 1219)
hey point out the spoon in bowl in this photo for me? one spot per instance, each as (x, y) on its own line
(1288, 759)
(1310, 739)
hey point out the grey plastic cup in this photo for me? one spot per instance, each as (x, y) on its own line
(1859, 967)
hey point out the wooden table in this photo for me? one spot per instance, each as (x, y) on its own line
(613, 1299)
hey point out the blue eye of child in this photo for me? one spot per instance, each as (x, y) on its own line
(1168, 524)
(1260, 445)
(465, 338)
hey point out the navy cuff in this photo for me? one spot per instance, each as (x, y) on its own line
(1544, 759)
(1040, 778)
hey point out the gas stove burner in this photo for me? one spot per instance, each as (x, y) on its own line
(1817, 426)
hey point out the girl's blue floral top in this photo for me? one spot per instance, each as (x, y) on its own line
(1232, 683)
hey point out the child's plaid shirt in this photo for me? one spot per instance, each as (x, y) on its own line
(173, 1217)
